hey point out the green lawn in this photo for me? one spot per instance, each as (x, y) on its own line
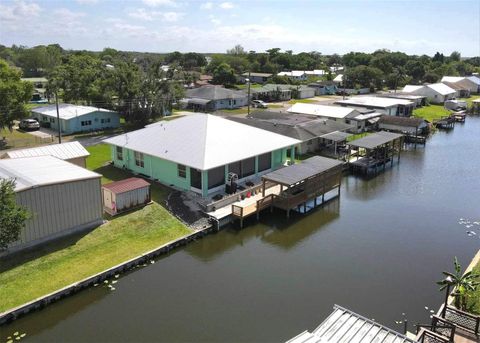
(357, 136)
(122, 238)
(119, 240)
(19, 139)
(431, 112)
(469, 100)
(305, 101)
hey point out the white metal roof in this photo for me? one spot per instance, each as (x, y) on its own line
(474, 79)
(344, 325)
(452, 78)
(202, 141)
(338, 78)
(411, 88)
(293, 73)
(30, 172)
(67, 111)
(441, 88)
(321, 110)
(64, 151)
(374, 101)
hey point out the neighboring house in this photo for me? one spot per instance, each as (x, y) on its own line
(412, 125)
(74, 118)
(338, 79)
(307, 129)
(61, 197)
(212, 98)
(315, 72)
(256, 77)
(461, 91)
(72, 152)
(279, 92)
(40, 88)
(358, 119)
(324, 87)
(472, 83)
(203, 80)
(390, 106)
(436, 93)
(419, 100)
(196, 152)
(296, 75)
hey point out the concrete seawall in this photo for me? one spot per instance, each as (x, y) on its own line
(39, 303)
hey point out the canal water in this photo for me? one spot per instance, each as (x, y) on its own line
(377, 250)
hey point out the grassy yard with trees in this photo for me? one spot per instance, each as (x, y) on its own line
(120, 239)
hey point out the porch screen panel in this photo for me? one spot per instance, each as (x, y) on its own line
(235, 167)
(216, 177)
(264, 161)
(195, 178)
(248, 167)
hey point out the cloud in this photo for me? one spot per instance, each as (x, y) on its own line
(148, 15)
(226, 5)
(214, 20)
(206, 6)
(67, 15)
(86, 2)
(19, 10)
(157, 3)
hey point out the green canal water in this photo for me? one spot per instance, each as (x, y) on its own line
(377, 250)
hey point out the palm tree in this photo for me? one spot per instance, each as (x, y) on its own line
(462, 283)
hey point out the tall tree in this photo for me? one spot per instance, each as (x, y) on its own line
(14, 95)
(224, 75)
(12, 216)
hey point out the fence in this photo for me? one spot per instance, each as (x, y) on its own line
(9, 143)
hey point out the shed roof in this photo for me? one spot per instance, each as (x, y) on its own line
(211, 92)
(68, 111)
(401, 121)
(298, 172)
(126, 185)
(347, 326)
(202, 141)
(373, 101)
(411, 88)
(64, 151)
(323, 110)
(375, 139)
(30, 172)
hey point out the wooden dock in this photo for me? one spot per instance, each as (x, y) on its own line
(447, 123)
(293, 187)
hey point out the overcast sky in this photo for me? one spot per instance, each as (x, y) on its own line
(419, 27)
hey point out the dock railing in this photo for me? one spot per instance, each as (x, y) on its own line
(231, 198)
(463, 320)
(427, 336)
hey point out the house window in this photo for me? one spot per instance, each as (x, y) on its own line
(52, 120)
(102, 121)
(107, 120)
(182, 171)
(86, 123)
(119, 153)
(139, 159)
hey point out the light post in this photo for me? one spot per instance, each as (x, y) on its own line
(449, 281)
(248, 100)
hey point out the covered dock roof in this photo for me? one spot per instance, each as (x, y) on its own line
(64, 151)
(347, 326)
(296, 173)
(126, 185)
(337, 136)
(375, 140)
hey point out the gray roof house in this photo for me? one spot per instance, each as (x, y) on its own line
(256, 77)
(212, 98)
(309, 130)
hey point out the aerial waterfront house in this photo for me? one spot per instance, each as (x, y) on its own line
(359, 119)
(212, 98)
(419, 100)
(392, 107)
(72, 152)
(196, 152)
(436, 93)
(61, 197)
(296, 75)
(75, 118)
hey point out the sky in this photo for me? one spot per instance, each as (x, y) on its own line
(207, 26)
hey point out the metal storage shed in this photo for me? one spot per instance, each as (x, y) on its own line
(72, 152)
(62, 198)
(120, 196)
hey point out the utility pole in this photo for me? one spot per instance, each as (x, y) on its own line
(344, 80)
(248, 80)
(58, 120)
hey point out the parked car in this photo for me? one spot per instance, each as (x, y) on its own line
(259, 104)
(29, 124)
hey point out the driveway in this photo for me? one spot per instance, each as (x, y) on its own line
(42, 133)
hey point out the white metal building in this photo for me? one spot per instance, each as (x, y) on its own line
(436, 93)
(72, 152)
(61, 197)
(123, 195)
(390, 106)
